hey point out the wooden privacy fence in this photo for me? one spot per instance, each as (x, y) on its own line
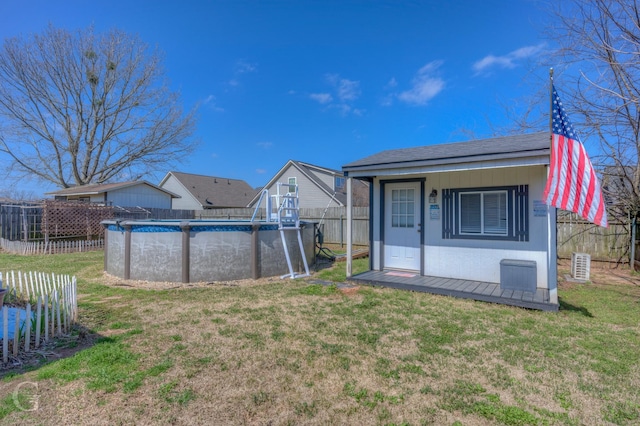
(51, 309)
(606, 244)
(334, 224)
(333, 220)
(20, 221)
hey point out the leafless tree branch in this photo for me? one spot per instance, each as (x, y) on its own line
(83, 108)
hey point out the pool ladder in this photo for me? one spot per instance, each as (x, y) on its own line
(289, 220)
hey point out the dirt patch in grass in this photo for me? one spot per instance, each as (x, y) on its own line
(349, 291)
(114, 281)
(58, 348)
(600, 273)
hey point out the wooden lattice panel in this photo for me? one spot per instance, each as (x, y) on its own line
(68, 219)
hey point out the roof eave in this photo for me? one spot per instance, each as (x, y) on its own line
(533, 158)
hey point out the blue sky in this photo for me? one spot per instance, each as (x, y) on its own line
(325, 82)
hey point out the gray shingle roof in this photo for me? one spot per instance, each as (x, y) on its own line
(308, 170)
(100, 188)
(533, 144)
(213, 191)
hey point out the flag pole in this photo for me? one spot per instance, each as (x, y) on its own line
(552, 228)
(550, 106)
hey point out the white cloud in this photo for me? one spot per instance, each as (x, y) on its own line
(322, 98)
(508, 61)
(243, 67)
(426, 85)
(343, 94)
(210, 102)
(346, 90)
(261, 171)
(265, 145)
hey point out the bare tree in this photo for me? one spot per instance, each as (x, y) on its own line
(17, 194)
(599, 47)
(79, 108)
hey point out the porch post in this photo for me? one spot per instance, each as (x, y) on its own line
(349, 228)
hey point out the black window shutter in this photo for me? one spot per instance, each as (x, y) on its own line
(448, 216)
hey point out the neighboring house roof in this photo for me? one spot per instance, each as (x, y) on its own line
(309, 171)
(213, 191)
(101, 188)
(483, 150)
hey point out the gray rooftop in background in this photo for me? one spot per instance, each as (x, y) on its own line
(213, 191)
(519, 146)
(100, 188)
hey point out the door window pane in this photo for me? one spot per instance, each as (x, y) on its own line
(402, 208)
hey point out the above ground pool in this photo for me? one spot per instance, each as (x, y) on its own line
(202, 250)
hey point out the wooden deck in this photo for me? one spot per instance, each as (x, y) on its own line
(464, 289)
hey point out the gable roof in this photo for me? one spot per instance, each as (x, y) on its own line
(308, 170)
(214, 191)
(101, 188)
(498, 148)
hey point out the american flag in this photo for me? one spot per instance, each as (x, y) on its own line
(572, 183)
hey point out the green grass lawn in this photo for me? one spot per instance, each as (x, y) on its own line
(291, 352)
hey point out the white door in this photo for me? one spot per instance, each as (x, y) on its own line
(402, 226)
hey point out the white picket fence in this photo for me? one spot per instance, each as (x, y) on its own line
(50, 247)
(51, 308)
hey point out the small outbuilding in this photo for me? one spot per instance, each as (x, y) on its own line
(463, 219)
(137, 193)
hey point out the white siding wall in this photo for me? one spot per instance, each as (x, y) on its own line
(139, 195)
(310, 195)
(476, 259)
(187, 201)
(327, 178)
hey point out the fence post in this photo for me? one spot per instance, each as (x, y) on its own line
(5, 334)
(16, 333)
(38, 321)
(632, 258)
(27, 328)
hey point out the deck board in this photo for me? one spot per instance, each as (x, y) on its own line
(466, 289)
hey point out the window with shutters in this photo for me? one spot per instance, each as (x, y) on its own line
(483, 213)
(500, 213)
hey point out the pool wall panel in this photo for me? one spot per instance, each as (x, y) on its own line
(156, 256)
(115, 253)
(220, 255)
